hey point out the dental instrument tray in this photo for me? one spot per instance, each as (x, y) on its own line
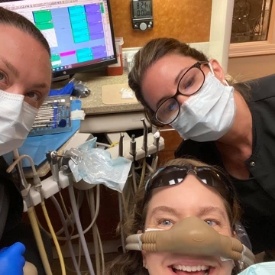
(54, 116)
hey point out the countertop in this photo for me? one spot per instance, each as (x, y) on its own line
(93, 105)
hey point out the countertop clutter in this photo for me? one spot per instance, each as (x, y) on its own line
(111, 105)
(109, 94)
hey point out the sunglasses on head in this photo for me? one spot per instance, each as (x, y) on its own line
(173, 175)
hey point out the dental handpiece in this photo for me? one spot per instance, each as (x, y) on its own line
(145, 137)
(156, 143)
(133, 147)
(156, 140)
(133, 152)
(120, 146)
(52, 157)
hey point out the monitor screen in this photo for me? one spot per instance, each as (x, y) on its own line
(79, 32)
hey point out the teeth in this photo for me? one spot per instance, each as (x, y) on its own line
(192, 268)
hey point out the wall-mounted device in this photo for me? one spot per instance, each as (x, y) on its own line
(142, 14)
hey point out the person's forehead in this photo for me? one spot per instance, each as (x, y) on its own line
(173, 60)
(24, 53)
(7, 29)
(18, 40)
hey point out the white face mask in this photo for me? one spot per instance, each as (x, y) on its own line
(208, 114)
(16, 120)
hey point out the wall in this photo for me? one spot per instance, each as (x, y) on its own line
(189, 21)
(186, 20)
(245, 68)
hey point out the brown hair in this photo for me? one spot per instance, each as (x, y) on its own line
(131, 262)
(11, 18)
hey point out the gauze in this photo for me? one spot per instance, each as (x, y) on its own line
(16, 120)
(208, 114)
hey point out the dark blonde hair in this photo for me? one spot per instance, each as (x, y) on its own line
(131, 262)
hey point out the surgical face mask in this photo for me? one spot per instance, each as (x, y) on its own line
(16, 120)
(208, 114)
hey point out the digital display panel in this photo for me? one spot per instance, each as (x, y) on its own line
(79, 32)
(142, 9)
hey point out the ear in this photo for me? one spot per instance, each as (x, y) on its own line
(218, 70)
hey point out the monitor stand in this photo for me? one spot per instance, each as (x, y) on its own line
(61, 78)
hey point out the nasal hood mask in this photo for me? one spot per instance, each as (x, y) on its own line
(191, 237)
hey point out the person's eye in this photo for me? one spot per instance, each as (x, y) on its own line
(186, 84)
(212, 222)
(34, 96)
(164, 223)
(169, 106)
(3, 78)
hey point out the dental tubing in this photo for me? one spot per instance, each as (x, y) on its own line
(39, 240)
(193, 237)
(31, 211)
(58, 249)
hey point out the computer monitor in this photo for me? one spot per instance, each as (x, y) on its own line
(79, 32)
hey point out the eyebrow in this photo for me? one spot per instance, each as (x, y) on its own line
(16, 73)
(10, 67)
(202, 211)
(165, 209)
(41, 85)
(212, 209)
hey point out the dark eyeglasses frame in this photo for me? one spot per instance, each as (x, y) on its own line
(196, 65)
(163, 175)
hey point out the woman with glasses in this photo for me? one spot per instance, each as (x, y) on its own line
(191, 196)
(221, 123)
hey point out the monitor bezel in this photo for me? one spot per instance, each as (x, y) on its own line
(87, 66)
(68, 73)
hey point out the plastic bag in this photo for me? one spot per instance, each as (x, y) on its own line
(95, 166)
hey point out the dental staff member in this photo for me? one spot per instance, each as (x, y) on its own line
(25, 79)
(230, 125)
(180, 190)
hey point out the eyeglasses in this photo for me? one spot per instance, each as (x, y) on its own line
(189, 84)
(173, 175)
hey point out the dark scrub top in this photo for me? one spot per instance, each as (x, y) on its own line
(257, 194)
(14, 230)
(11, 201)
